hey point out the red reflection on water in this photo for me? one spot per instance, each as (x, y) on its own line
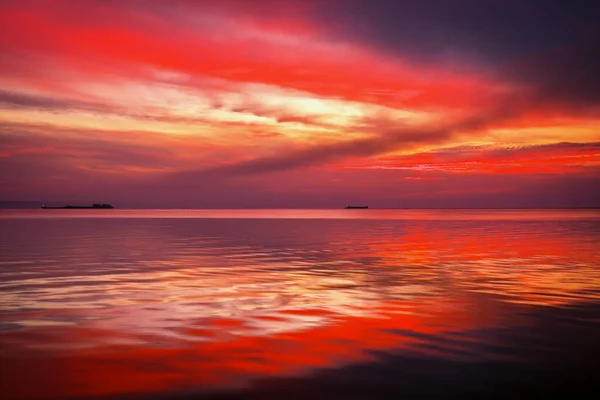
(373, 213)
(120, 369)
(334, 320)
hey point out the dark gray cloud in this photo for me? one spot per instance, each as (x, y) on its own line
(566, 77)
(18, 100)
(19, 142)
(21, 100)
(386, 136)
(321, 154)
(489, 32)
(551, 48)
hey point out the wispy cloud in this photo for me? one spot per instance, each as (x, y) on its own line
(528, 159)
(255, 96)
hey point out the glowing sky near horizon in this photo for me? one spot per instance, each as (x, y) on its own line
(302, 103)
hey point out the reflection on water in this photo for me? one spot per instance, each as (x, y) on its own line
(103, 303)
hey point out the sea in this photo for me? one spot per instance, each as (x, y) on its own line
(299, 304)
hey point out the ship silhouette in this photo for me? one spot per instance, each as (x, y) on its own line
(93, 206)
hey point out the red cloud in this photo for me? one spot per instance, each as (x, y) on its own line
(545, 159)
(99, 37)
(69, 58)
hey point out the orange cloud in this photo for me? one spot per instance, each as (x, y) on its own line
(265, 88)
(544, 159)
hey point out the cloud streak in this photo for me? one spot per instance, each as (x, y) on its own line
(301, 96)
(556, 158)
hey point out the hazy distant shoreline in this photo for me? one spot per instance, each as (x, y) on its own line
(21, 205)
(24, 205)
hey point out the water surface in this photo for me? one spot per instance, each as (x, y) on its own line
(271, 303)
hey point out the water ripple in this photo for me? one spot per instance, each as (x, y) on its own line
(247, 301)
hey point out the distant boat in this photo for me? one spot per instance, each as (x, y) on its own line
(354, 207)
(93, 206)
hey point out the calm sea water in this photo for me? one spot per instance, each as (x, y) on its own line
(298, 303)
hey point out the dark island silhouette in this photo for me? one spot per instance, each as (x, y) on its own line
(355, 207)
(93, 206)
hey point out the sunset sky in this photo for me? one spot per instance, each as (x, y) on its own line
(300, 103)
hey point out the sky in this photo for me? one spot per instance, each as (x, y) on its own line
(300, 103)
